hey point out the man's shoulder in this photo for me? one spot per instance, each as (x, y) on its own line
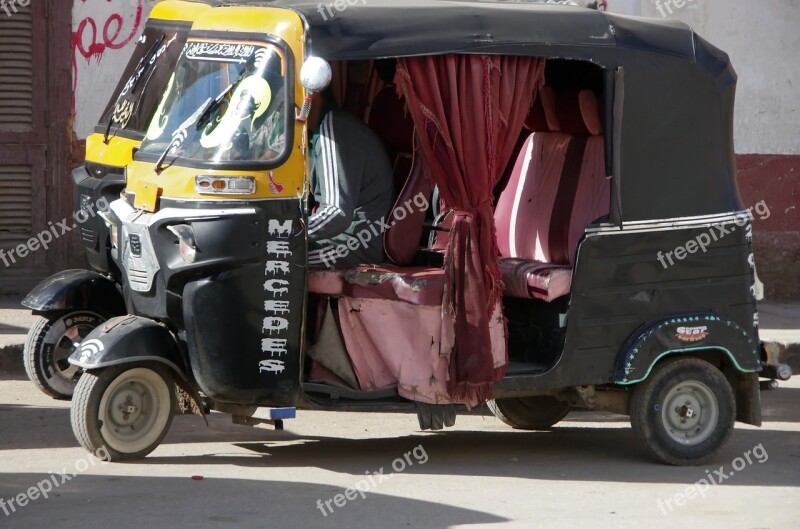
(343, 119)
(361, 141)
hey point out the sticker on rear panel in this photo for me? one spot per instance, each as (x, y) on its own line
(691, 334)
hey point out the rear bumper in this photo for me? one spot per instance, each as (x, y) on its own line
(774, 362)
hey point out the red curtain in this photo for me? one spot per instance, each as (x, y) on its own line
(469, 111)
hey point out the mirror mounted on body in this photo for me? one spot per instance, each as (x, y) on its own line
(315, 76)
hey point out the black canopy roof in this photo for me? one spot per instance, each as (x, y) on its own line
(393, 28)
(675, 126)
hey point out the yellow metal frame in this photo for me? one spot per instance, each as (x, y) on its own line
(119, 151)
(288, 180)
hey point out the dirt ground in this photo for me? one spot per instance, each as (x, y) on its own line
(588, 471)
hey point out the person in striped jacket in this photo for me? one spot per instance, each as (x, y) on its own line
(353, 185)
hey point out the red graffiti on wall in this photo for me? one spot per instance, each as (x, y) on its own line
(89, 43)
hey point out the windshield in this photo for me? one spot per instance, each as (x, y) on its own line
(143, 82)
(226, 102)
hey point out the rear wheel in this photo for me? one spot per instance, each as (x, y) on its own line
(529, 413)
(50, 343)
(124, 411)
(684, 412)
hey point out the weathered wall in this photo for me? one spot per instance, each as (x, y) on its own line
(760, 35)
(104, 34)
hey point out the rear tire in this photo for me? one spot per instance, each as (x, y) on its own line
(123, 411)
(684, 412)
(50, 342)
(529, 413)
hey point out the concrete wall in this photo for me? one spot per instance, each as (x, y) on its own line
(762, 39)
(104, 33)
(760, 35)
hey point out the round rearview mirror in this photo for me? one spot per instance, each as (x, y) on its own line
(315, 75)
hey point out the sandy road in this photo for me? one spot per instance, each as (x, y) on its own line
(587, 471)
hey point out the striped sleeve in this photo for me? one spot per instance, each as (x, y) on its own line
(338, 190)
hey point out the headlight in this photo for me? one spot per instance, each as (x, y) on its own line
(113, 231)
(185, 235)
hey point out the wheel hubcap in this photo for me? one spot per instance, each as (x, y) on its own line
(690, 412)
(129, 410)
(62, 339)
(134, 410)
(69, 341)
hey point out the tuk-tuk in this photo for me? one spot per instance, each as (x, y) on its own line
(72, 303)
(593, 251)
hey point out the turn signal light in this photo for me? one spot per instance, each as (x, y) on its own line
(225, 185)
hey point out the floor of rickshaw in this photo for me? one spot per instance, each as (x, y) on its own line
(524, 368)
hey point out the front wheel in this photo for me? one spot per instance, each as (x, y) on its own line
(50, 343)
(123, 411)
(684, 412)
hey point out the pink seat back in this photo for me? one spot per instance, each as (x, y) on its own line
(525, 206)
(557, 186)
(593, 194)
(406, 220)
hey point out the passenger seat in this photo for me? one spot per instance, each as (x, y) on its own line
(557, 188)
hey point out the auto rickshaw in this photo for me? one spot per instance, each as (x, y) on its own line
(72, 303)
(594, 252)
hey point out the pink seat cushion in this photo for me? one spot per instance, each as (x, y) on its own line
(415, 285)
(523, 278)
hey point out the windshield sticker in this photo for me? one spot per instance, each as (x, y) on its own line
(274, 186)
(159, 123)
(147, 62)
(248, 103)
(224, 51)
(691, 334)
(123, 111)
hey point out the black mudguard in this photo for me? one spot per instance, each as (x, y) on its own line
(129, 339)
(686, 334)
(75, 290)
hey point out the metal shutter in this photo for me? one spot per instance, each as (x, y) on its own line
(16, 224)
(23, 131)
(16, 71)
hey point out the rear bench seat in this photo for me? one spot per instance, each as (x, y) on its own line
(418, 285)
(557, 188)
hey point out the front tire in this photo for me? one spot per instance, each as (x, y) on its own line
(50, 342)
(123, 411)
(684, 412)
(529, 413)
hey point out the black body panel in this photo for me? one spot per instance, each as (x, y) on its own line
(224, 243)
(97, 185)
(620, 288)
(76, 289)
(127, 340)
(241, 303)
(683, 334)
(677, 120)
